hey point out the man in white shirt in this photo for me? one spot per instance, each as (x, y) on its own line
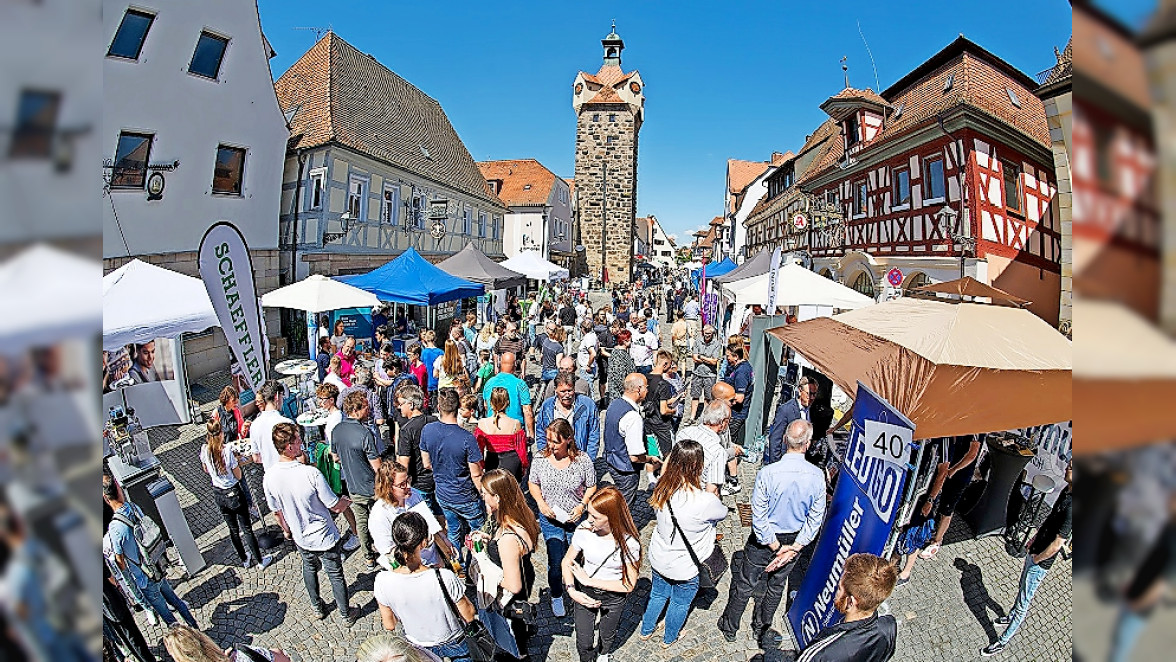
(588, 351)
(713, 422)
(305, 505)
(270, 397)
(645, 345)
(624, 438)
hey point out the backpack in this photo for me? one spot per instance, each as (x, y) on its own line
(150, 541)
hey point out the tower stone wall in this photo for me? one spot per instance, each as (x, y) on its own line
(606, 179)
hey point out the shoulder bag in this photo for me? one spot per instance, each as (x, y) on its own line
(710, 570)
(477, 637)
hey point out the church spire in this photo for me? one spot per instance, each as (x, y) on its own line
(613, 45)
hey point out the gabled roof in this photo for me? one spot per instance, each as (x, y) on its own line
(718, 220)
(524, 181)
(1111, 58)
(609, 75)
(340, 95)
(571, 185)
(979, 79)
(606, 95)
(841, 104)
(741, 173)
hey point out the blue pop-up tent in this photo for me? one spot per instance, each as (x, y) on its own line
(411, 279)
(714, 270)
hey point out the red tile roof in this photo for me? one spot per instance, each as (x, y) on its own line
(524, 181)
(1108, 55)
(341, 95)
(741, 173)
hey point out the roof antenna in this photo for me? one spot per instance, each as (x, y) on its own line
(877, 85)
(845, 69)
(318, 31)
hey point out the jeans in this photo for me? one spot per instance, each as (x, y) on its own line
(679, 595)
(611, 606)
(627, 483)
(330, 560)
(558, 537)
(455, 651)
(361, 507)
(468, 516)
(159, 595)
(756, 557)
(1128, 627)
(239, 521)
(645, 369)
(1031, 577)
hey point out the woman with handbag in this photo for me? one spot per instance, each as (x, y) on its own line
(611, 548)
(514, 534)
(221, 465)
(562, 480)
(430, 602)
(685, 534)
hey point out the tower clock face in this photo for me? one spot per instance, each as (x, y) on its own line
(579, 88)
(635, 87)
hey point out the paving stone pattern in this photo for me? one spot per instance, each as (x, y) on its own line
(945, 613)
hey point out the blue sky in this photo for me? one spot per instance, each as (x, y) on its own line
(723, 80)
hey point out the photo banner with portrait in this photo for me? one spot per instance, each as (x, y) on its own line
(149, 378)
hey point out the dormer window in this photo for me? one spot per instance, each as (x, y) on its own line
(1016, 101)
(526, 187)
(851, 131)
(949, 82)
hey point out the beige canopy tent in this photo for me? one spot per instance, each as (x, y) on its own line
(952, 368)
(1124, 379)
(970, 287)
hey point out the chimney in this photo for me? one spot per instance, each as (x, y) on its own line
(777, 157)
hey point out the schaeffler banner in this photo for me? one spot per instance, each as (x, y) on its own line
(227, 272)
(865, 503)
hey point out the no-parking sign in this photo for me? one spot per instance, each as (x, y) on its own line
(894, 277)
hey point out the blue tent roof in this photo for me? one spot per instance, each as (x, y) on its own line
(411, 279)
(714, 270)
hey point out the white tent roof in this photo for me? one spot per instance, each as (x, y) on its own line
(48, 295)
(797, 287)
(141, 301)
(317, 294)
(531, 265)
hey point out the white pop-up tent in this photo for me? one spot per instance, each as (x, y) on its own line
(796, 286)
(45, 292)
(531, 265)
(141, 302)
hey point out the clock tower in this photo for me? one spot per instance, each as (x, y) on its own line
(610, 108)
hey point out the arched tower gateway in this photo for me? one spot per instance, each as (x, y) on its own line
(610, 107)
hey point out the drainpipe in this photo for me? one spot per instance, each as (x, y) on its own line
(292, 245)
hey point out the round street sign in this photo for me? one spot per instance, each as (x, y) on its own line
(800, 221)
(894, 276)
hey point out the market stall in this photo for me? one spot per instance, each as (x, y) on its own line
(475, 266)
(412, 280)
(318, 294)
(760, 264)
(146, 307)
(795, 287)
(533, 266)
(46, 290)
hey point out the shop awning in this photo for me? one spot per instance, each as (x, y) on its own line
(411, 279)
(477, 267)
(141, 302)
(318, 294)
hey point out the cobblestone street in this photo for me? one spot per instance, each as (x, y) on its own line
(944, 613)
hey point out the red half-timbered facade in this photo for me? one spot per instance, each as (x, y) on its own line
(946, 173)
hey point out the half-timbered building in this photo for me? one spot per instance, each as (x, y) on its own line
(946, 173)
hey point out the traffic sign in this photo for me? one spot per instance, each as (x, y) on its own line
(894, 277)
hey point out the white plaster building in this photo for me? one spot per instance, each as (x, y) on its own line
(189, 106)
(540, 208)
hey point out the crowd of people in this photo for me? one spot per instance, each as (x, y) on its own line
(452, 464)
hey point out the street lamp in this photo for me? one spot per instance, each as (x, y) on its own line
(948, 221)
(345, 223)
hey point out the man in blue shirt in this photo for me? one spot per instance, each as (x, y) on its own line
(739, 376)
(520, 407)
(577, 408)
(787, 508)
(455, 459)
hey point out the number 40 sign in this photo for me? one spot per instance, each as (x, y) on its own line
(887, 442)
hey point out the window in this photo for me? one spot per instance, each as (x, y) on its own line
(229, 171)
(1013, 99)
(316, 189)
(130, 160)
(918, 280)
(612, 117)
(933, 180)
(1104, 155)
(419, 204)
(864, 284)
(831, 197)
(206, 60)
(610, 139)
(851, 131)
(860, 198)
(1012, 185)
(356, 197)
(902, 186)
(495, 186)
(132, 32)
(949, 82)
(390, 203)
(482, 226)
(596, 117)
(36, 118)
(467, 221)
